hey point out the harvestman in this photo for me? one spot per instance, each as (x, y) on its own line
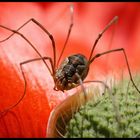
(74, 69)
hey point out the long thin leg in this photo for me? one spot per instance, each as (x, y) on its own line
(50, 36)
(114, 20)
(93, 81)
(112, 97)
(25, 83)
(82, 86)
(116, 50)
(69, 31)
(42, 27)
(101, 82)
(98, 81)
(16, 32)
(85, 95)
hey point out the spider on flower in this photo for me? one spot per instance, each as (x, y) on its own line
(74, 68)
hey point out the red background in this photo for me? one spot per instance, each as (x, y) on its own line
(29, 118)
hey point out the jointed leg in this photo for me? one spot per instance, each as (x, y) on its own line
(25, 83)
(112, 97)
(86, 98)
(82, 86)
(38, 24)
(93, 81)
(114, 20)
(116, 50)
(69, 31)
(47, 32)
(101, 82)
(14, 31)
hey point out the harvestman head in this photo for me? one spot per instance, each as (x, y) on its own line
(74, 69)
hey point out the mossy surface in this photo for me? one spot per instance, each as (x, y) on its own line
(107, 117)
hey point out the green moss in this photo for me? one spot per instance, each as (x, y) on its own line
(101, 119)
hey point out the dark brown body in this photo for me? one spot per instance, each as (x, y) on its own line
(65, 76)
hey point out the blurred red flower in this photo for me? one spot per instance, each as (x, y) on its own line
(29, 118)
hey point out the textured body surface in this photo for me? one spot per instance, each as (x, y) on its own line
(65, 77)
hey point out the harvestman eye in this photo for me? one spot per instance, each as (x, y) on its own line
(73, 69)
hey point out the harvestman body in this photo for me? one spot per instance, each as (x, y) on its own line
(74, 69)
